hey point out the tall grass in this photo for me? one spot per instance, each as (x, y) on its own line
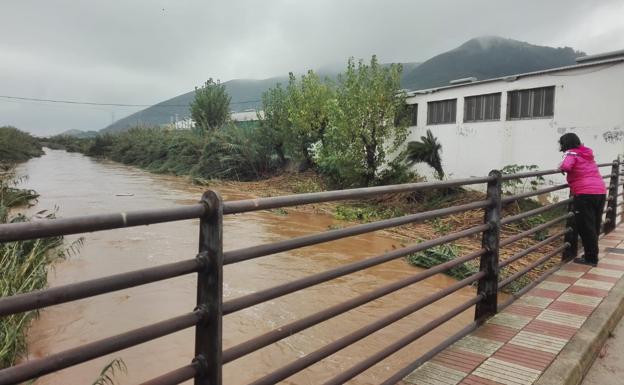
(24, 267)
(233, 152)
(17, 146)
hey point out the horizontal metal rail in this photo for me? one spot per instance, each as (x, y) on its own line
(533, 248)
(360, 367)
(513, 198)
(323, 315)
(529, 174)
(530, 286)
(504, 283)
(204, 366)
(54, 362)
(241, 206)
(240, 255)
(75, 291)
(530, 213)
(524, 234)
(246, 301)
(65, 226)
(398, 376)
(175, 376)
(335, 346)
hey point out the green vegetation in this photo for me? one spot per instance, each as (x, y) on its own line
(518, 186)
(366, 212)
(426, 151)
(110, 372)
(441, 254)
(211, 107)
(364, 124)
(17, 146)
(343, 128)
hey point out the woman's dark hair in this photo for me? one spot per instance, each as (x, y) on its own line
(569, 141)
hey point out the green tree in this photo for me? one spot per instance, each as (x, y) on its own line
(364, 125)
(211, 107)
(426, 151)
(297, 117)
(309, 104)
(274, 122)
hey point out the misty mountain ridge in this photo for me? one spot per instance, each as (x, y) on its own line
(487, 57)
(483, 57)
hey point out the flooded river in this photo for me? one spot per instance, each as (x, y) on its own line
(77, 185)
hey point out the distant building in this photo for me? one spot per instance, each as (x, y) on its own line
(488, 124)
(188, 123)
(245, 116)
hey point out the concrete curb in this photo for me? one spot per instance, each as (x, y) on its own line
(573, 362)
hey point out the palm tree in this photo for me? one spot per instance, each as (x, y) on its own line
(427, 151)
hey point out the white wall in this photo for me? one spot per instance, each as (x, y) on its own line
(588, 101)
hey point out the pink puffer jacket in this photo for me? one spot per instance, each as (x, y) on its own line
(581, 171)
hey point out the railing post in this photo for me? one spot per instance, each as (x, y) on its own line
(208, 334)
(571, 238)
(612, 197)
(488, 285)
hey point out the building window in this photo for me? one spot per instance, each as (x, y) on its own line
(529, 104)
(408, 114)
(442, 111)
(481, 108)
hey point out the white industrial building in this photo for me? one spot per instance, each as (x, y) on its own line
(518, 119)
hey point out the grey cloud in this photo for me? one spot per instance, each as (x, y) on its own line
(145, 51)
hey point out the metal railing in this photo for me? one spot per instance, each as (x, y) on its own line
(206, 365)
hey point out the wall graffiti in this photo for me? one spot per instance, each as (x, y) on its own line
(464, 131)
(614, 136)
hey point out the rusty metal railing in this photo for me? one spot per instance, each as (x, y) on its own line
(210, 355)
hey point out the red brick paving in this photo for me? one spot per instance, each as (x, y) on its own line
(550, 329)
(582, 290)
(562, 279)
(571, 308)
(526, 357)
(474, 380)
(528, 311)
(460, 360)
(466, 362)
(496, 332)
(537, 292)
(600, 278)
(610, 266)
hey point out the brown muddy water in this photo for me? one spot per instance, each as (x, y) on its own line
(77, 185)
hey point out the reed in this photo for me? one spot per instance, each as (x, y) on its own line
(23, 266)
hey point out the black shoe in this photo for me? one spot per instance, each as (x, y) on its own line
(583, 261)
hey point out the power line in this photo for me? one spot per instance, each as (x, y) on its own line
(108, 104)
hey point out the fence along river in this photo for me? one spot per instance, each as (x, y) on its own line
(78, 185)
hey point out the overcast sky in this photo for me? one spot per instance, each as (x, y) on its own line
(146, 51)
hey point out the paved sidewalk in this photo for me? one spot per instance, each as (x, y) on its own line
(517, 345)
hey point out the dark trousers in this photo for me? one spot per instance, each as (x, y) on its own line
(588, 217)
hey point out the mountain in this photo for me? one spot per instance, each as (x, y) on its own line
(483, 57)
(487, 57)
(79, 134)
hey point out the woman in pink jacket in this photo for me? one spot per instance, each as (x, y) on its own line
(588, 190)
